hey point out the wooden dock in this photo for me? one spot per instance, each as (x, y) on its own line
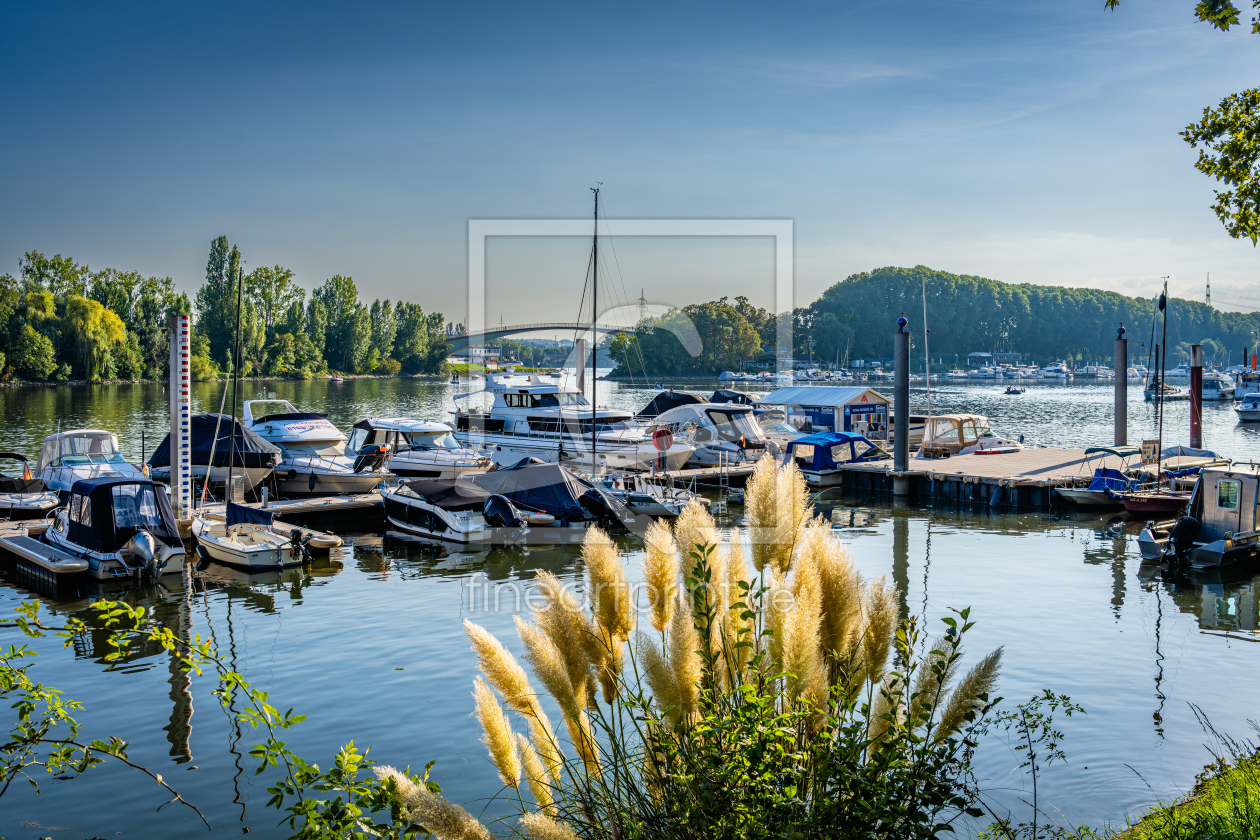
(361, 512)
(1020, 480)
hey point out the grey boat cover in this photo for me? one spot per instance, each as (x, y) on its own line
(726, 395)
(669, 399)
(533, 485)
(450, 494)
(251, 450)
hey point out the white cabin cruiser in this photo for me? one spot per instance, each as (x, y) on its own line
(724, 432)
(24, 496)
(453, 510)
(1248, 408)
(964, 434)
(312, 457)
(1217, 386)
(123, 527)
(1059, 371)
(417, 448)
(533, 417)
(79, 454)
(1221, 527)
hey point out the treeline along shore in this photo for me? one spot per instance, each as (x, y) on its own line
(62, 321)
(965, 314)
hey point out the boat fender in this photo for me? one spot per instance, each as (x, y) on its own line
(310, 482)
(1183, 533)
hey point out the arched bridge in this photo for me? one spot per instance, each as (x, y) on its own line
(463, 342)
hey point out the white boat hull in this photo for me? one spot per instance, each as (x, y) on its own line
(296, 481)
(250, 547)
(506, 450)
(1248, 415)
(410, 467)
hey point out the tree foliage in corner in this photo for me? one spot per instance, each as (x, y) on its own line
(1230, 136)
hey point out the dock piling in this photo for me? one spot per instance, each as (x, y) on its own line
(901, 407)
(1122, 388)
(1196, 396)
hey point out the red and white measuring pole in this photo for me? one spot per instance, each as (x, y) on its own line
(181, 454)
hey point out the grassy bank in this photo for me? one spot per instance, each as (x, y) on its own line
(1224, 803)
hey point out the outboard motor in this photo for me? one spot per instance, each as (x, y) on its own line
(371, 456)
(298, 546)
(142, 552)
(501, 513)
(1183, 534)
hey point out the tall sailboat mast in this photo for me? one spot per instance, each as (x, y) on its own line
(594, 333)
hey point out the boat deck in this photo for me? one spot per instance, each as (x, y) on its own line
(35, 557)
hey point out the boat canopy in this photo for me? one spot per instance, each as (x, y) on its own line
(956, 429)
(1118, 451)
(666, 400)
(251, 450)
(242, 515)
(727, 395)
(450, 493)
(106, 512)
(79, 447)
(828, 450)
(1112, 481)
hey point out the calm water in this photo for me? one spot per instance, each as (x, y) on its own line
(370, 644)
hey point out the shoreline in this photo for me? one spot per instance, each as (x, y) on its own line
(22, 383)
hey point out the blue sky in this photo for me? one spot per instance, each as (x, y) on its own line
(1029, 142)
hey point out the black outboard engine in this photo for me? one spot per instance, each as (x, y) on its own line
(501, 513)
(1183, 534)
(371, 456)
(298, 546)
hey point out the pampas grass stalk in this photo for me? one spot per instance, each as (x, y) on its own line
(693, 529)
(738, 629)
(660, 572)
(659, 676)
(928, 687)
(684, 659)
(966, 696)
(801, 651)
(568, 627)
(536, 776)
(497, 734)
(794, 509)
(881, 626)
(777, 606)
(549, 666)
(611, 603)
(443, 819)
(761, 512)
(502, 670)
(542, 827)
(841, 589)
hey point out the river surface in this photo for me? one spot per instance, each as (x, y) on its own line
(370, 644)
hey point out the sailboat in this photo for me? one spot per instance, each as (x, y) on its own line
(244, 536)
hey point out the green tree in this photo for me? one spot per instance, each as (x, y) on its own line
(358, 344)
(96, 332)
(32, 356)
(216, 299)
(60, 275)
(340, 299)
(272, 291)
(384, 327)
(317, 325)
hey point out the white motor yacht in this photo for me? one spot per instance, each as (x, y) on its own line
(312, 456)
(1179, 374)
(1248, 408)
(68, 457)
(123, 527)
(536, 418)
(1059, 371)
(417, 448)
(956, 373)
(1217, 386)
(1246, 382)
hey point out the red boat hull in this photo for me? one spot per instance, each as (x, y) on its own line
(1156, 503)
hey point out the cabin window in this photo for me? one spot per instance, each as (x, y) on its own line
(1227, 495)
(135, 507)
(358, 437)
(804, 455)
(969, 435)
(80, 510)
(841, 452)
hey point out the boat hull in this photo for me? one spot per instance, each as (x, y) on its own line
(297, 482)
(1091, 499)
(1248, 415)
(263, 551)
(1163, 504)
(506, 450)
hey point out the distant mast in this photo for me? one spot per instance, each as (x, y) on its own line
(594, 332)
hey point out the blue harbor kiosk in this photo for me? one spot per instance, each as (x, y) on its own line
(824, 408)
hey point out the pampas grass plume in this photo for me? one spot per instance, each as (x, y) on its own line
(659, 676)
(542, 827)
(981, 679)
(609, 589)
(660, 571)
(881, 626)
(761, 512)
(502, 669)
(568, 627)
(794, 508)
(549, 666)
(801, 651)
(928, 687)
(693, 530)
(684, 661)
(443, 819)
(497, 734)
(841, 588)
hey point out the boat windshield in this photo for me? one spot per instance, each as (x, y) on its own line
(527, 400)
(734, 425)
(429, 440)
(314, 449)
(82, 449)
(943, 432)
(136, 507)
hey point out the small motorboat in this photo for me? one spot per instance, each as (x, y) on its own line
(1105, 484)
(964, 434)
(1165, 392)
(123, 527)
(644, 497)
(1220, 528)
(454, 510)
(66, 458)
(24, 496)
(1013, 392)
(1248, 408)
(534, 486)
(246, 537)
(417, 448)
(822, 455)
(336, 379)
(1155, 501)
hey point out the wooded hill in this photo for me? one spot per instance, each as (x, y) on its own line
(968, 313)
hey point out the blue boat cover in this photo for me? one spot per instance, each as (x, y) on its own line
(251, 450)
(832, 448)
(242, 515)
(106, 512)
(1111, 480)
